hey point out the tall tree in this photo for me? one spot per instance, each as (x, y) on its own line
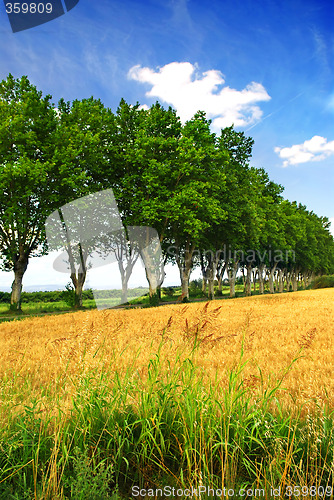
(238, 202)
(140, 170)
(271, 241)
(27, 126)
(195, 204)
(84, 138)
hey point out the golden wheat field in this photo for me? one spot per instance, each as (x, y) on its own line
(273, 329)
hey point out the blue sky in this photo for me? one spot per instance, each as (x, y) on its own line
(266, 66)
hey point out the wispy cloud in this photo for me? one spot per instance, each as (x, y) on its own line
(187, 90)
(322, 51)
(181, 15)
(316, 149)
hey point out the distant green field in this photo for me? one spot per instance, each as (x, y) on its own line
(40, 303)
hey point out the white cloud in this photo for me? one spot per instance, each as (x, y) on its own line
(316, 149)
(180, 85)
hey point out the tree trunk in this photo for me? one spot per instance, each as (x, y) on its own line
(154, 296)
(248, 282)
(261, 277)
(288, 281)
(255, 272)
(204, 273)
(271, 278)
(152, 282)
(146, 243)
(20, 267)
(78, 283)
(243, 277)
(124, 297)
(308, 277)
(277, 281)
(124, 279)
(125, 275)
(294, 280)
(232, 276)
(211, 278)
(211, 291)
(184, 275)
(304, 280)
(220, 277)
(185, 268)
(155, 279)
(280, 280)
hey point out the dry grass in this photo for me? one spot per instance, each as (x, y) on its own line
(53, 351)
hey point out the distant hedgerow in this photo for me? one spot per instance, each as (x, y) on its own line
(323, 282)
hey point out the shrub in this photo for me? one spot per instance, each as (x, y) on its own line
(195, 286)
(322, 282)
(169, 291)
(88, 482)
(5, 297)
(88, 294)
(68, 295)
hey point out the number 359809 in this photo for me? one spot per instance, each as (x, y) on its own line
(25, 8)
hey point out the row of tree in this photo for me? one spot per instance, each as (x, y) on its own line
(209, 207)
